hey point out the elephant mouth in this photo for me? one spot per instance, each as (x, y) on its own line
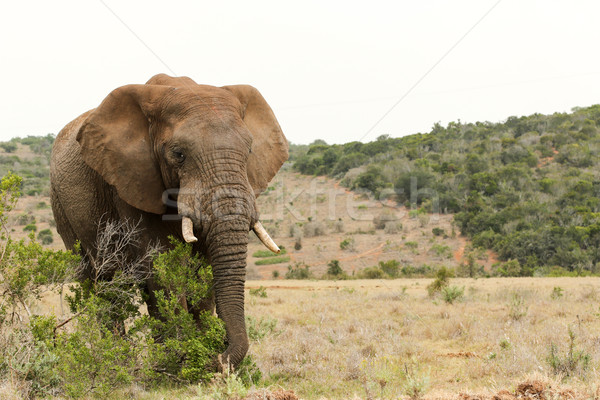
(187, 229)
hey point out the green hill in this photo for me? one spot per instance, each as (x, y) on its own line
(527, 188)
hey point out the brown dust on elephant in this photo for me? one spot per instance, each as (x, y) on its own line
(184, 159)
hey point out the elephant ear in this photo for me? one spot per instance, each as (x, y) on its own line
(269, 145)
(115, 142)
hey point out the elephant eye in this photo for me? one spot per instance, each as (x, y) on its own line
(179, 156)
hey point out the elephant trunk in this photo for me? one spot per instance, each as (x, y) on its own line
(227, 248)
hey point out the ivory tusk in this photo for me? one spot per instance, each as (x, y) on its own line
(265, 238)
(187, 228)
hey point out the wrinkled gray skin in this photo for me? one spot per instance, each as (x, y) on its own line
(212, 149)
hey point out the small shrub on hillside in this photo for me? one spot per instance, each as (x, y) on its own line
(391, 268)
(440, 251)
(8, 147)
(348, 244)
(371, 273)
(392, 227)
(438, 232)
(299, 271)
(384, 217)
(313, 228)
(45, 236)
(25, 219)
(410, 271)
(509, 268)
(30, 228)
(470, 268)
(298, 243)
(334, 268)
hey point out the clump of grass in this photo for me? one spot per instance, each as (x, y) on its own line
(259, 291)
(517, 308)
(260, 328)
(450, 294)
(416, 381)
(573, 362)
(557, 293)
(273, 260)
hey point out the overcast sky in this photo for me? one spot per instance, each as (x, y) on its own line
(329, 69)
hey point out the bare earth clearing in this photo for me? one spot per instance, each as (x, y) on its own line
(295, 198)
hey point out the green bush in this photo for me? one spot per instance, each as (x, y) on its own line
(391, 268)
(30, 228)
(272, 260)
(8, 147)
(259, 292)
(45, 236)
(371, 273)
(298, 271)
(442, 279)
(334, 268)
(438, 232)
(348, 244)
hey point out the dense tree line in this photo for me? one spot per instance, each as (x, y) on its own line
(526, 187)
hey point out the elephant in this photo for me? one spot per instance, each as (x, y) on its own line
(183, 159)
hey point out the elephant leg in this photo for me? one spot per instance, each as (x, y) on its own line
(149, 288)
(206, 305)
(63, 226)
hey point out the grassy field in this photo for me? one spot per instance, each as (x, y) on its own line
(388, 339)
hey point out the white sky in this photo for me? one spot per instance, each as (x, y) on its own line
(329, 69)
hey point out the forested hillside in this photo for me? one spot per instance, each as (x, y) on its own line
(526, 188)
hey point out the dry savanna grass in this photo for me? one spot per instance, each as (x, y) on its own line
(388, 339)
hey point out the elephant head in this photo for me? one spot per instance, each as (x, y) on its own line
(217, 147)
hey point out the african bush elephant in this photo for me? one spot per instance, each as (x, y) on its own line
(184, 159)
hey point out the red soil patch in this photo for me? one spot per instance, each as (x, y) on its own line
(530, 390)
(459, 254)
(279, 394)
